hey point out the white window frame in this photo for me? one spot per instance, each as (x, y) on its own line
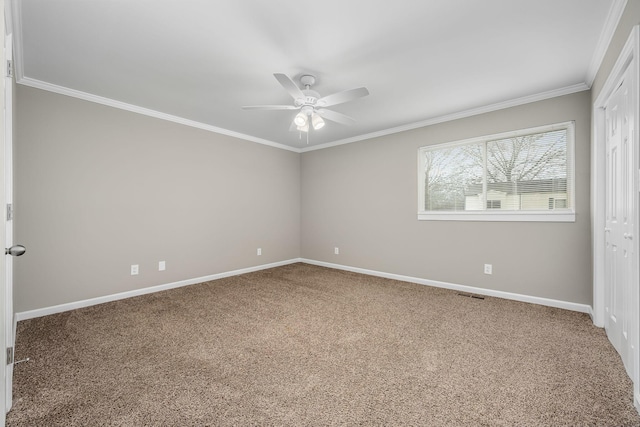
(564, 215)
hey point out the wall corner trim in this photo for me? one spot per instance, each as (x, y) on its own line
(566, 305)
(45, 311)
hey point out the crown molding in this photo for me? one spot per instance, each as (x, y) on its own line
(192, 123)
(609, 29)
(15, 23)
(459, 115)
(615, 13)
(147, 112)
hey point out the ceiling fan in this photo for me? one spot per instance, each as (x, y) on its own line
(311, 105)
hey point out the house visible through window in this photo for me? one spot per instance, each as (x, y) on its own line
(555, 203)
(524, 175)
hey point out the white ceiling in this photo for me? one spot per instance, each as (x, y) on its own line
(199, 61)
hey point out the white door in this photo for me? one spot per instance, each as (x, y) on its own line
(620, 222)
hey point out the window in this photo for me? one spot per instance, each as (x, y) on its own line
(525, 175)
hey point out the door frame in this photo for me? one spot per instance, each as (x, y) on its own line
(3, 284)
(629, 57)
(9, 318)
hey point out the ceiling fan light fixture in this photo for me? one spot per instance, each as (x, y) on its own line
(317, 121)
(301, 120)
(311, 105)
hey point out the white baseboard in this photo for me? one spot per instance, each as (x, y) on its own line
(582, 308)
(24, 315)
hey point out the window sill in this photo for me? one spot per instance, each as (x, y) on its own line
(522, 216)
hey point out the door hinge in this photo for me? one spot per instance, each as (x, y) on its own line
(9, 212)
(9, 68)
(9, 355)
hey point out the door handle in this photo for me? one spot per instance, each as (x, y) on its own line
(15, 250)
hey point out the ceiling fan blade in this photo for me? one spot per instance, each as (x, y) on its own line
(289, 85)
(344, 96)
(270, 107)
(334, 116)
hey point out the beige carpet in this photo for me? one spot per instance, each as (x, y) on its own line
(305, 345)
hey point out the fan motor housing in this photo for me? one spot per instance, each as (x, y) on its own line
(310, 98)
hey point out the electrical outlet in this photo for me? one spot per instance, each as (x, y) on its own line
(162, 266)
(134, 269)
(488, 269)
(336, 250)
(259, 252)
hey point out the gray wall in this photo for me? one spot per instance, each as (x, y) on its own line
(362, 197)
(99, 189)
